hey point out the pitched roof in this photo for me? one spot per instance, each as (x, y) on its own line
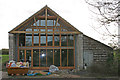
(40, 12)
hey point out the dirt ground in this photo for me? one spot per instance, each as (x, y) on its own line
(58, 75)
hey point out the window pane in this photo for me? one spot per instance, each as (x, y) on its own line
(63, 40)
(42, 57)
(42, 22)
(43, 40)
(56, 40)
(49, 22)
(28, 57)
(50, 30)
(42, 30)
(21, 54)
(49, 57)
(28, 39)
(70, 57)
(29, 29)
(70, 40)
(36, 39)
(57, 57)
(36, 30)
(49, 40)
(22, 39)
(64, 57)
(36, 58)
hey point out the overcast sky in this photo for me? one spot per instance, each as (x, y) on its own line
(76, 12)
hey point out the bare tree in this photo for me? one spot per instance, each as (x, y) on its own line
(108, 14)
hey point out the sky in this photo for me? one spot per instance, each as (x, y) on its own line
(76, 12)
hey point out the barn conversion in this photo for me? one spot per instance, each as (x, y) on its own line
(46, 39)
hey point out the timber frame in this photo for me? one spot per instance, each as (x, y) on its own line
(21, 29)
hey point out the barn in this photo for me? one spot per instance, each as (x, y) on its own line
(46, 39)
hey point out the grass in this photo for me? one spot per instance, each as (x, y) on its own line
(4, 58)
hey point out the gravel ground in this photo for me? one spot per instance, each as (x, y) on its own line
(58, 75)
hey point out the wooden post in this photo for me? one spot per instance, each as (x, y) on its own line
(35, 21)
(18, 48)
(74, 50)
(25, 55)
(46, 20)
(60, 59)
(32, 58)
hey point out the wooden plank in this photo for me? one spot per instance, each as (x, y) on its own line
(44, 32)
(18, 47)
(48, 17)
(35, 21)
(32, 58)
(46, 20)
(74, 51)
(25, 55)
(56, 22)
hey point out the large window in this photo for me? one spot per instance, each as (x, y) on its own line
(22, 39)
(49, 22)
(42, 57)
(28, 57)
(64, 57)
(22, 55)
(49, 57)
(56, 40)
(36, 38)
(36, 58)
(63, 40)
(42, 22)
(57, 57)
(70, 40)
(49, 40)
(43, 40)
(70, 57)
(28, 38)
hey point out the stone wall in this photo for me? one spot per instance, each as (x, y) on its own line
(79, 51)
(12, 47)
(95, 51)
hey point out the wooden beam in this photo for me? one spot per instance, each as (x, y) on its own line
(56, 22)
(74, 50)
(32, 58)
(25, 55)
(67, 32)
(46, 20)
(35, 21)
(48, 17)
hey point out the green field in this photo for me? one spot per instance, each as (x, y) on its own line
(4, 58)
